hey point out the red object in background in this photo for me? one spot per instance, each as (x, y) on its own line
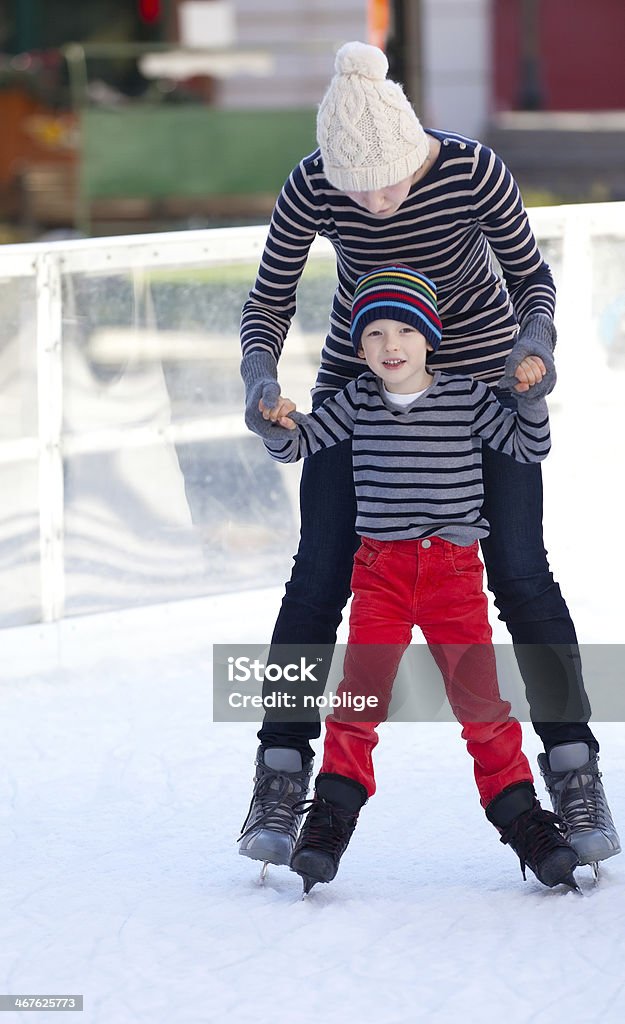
(580, 54)
(150, 10)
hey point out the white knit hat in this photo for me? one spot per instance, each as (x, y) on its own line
(368, 133)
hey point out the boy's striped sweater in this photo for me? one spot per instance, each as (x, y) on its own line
(418, 471)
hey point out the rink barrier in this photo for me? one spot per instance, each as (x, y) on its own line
(573, 227)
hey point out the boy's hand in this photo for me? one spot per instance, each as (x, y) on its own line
(530, 368)
(279, 413)
(530, 371)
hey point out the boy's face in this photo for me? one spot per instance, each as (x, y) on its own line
(383, 202)
(396, 352)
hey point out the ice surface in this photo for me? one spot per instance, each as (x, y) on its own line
(120, 803)
(121, 800)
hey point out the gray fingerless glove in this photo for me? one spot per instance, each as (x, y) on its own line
(259, 371)
(537, 337)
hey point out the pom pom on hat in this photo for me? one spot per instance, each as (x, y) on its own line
(368, 133)
(396, 292)
(361, 59)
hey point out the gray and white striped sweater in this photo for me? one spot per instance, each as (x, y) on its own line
(418, 471)
(464, 209)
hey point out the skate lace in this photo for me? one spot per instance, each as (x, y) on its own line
(580, 800)
(327, 827)
(533, 835)
(270, 806)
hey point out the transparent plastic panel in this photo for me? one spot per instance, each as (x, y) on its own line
(608, 301)
(18, 359)
(162, 346)
(19, 504)
(587, 416)
(20, 600)
(166, 522)
(128, 338)
(204, 510)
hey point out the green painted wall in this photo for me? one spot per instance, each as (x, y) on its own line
(191, 151)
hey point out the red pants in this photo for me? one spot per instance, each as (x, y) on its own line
(437, 586)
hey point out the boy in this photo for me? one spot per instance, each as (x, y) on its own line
(416, 439)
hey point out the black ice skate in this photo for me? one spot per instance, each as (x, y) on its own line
(280, 785)
(327, 829)
(535, 835)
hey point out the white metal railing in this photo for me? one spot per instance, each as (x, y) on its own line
(47, 263)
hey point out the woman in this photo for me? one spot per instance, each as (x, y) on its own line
(381, 188)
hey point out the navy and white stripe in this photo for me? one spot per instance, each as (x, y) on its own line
(418, 471)
(466, 205)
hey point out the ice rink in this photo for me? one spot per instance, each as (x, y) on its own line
(120, 798)
(121, 801)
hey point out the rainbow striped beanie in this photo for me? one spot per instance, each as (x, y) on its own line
(396, 292)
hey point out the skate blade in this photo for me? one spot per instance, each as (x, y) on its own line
(591, 885)
(569, 881)
(308, 883)
(263, 873)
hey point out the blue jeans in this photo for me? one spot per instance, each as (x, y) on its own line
(527, 597)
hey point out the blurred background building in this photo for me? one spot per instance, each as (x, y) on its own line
(126, 115)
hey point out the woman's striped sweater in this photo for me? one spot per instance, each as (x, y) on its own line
(466, 206)
(418, 471)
